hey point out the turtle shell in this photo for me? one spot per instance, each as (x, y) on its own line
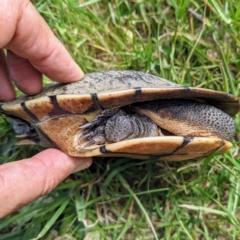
(60, 109)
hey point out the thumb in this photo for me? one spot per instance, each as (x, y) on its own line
(23, 181)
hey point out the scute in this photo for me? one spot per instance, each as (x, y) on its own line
(100, 82)
(118, 86)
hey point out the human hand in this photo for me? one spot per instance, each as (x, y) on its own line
(32, 50)
(23, 181)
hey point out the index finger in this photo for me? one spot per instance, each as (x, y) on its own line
(30, 37)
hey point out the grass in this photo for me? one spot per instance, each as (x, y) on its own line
(193, 43)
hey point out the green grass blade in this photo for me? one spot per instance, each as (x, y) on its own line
(54, 218)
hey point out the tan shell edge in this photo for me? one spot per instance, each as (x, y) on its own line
(171, 148)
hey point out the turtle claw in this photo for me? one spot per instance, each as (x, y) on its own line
(93, 136)
(86, 136)
(98, 140)
(87, 125)
(87, 144)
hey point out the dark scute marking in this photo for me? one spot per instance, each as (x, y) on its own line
(103, 150)
(96, 104)
(186, 140)
(57, 110)
(187, 89)
(47, 138)
(138, 92)
(33, 116)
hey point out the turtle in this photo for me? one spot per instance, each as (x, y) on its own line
(126, 113)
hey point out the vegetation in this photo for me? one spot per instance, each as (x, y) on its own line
(193, 43)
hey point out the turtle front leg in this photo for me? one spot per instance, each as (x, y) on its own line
(96, 136)
(94, 131)
(116, 125)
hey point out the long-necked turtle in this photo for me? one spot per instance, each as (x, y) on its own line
(126, 113)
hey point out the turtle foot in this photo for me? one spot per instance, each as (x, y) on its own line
(114, 125)
(94, 131)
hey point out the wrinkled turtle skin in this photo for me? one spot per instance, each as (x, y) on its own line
(183, 122)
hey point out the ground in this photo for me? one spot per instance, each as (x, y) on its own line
(192, 43)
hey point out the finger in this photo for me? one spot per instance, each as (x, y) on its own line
(27, 78)
(23, 181)
(37, 43)
(6, 88)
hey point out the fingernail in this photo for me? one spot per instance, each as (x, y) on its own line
(81, 74)
(78, 72)
(85, 164)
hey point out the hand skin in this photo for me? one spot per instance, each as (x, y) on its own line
(23, 181)
(32, 50)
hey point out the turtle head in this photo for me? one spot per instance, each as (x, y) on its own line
(25, 131)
